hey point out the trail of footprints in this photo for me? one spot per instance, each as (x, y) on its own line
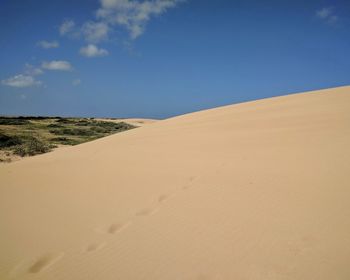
(115, 228)
(95, 246)
(45, 261)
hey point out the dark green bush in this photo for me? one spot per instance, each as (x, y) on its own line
(13, 121)
(72, 131)
(114, 126)
(9, 141)
(65, 121)
(54, 125)
(83, 123)
(34, 118)
(65, 141)
(99, 129)
(32, 147)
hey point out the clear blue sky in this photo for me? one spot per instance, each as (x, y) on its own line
(123, 58)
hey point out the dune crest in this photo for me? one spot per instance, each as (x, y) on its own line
(258, 190)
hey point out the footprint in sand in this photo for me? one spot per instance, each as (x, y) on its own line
(115, 228)
(95, 246)
(44, 262)
(163, 198)
(146, 212)
(189, 185)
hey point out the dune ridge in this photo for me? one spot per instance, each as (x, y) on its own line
(258, 190)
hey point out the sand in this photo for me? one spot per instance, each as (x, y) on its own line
(257, 190)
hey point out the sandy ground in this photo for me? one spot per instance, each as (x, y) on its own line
(258, 190)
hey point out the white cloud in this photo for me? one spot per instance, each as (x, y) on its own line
(76, 82)
(48, 45)
(95, 32)
(91, 31)
(133, 15)
(59, 65)
(21, 81)
(327, 14)
(67, 27)
(324, 12)
(93, 51)
(31, 70)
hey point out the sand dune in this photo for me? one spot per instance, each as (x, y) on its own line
(258, 190)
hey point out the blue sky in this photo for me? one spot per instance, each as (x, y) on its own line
(160, 58)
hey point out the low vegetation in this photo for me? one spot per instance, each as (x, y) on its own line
(32, 146)
(28, 136)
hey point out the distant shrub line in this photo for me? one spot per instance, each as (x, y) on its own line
(41, 134)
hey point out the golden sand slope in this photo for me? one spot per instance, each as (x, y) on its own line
(258, 190)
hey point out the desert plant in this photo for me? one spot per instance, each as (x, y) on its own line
(54, 125)
(9, 141)
(13, 121)
(65, 141)
(72, 131)
(32, 147)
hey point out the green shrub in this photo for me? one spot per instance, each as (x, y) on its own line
(13, 121)
(32, 147)
(9, 141)
(97, 129)
(83, 123)
(111, 126)
(65, 120)
(72, 131)
(35, 117)
(54, 125)
(65, 141)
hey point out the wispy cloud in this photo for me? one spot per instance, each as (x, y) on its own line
(76, 82)
(59, 65)
(66, 27)
(27, 79)
(327, 14)
(95, 32)
(93, 51)
(90, 31)
(48, 45)
(21, 81)
(133, 15)
(31, 70)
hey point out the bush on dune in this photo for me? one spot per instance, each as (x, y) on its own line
(72, 131)
(9, 141)
(13, 121)
(54, 125)
(65, 141)
(32, 146)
